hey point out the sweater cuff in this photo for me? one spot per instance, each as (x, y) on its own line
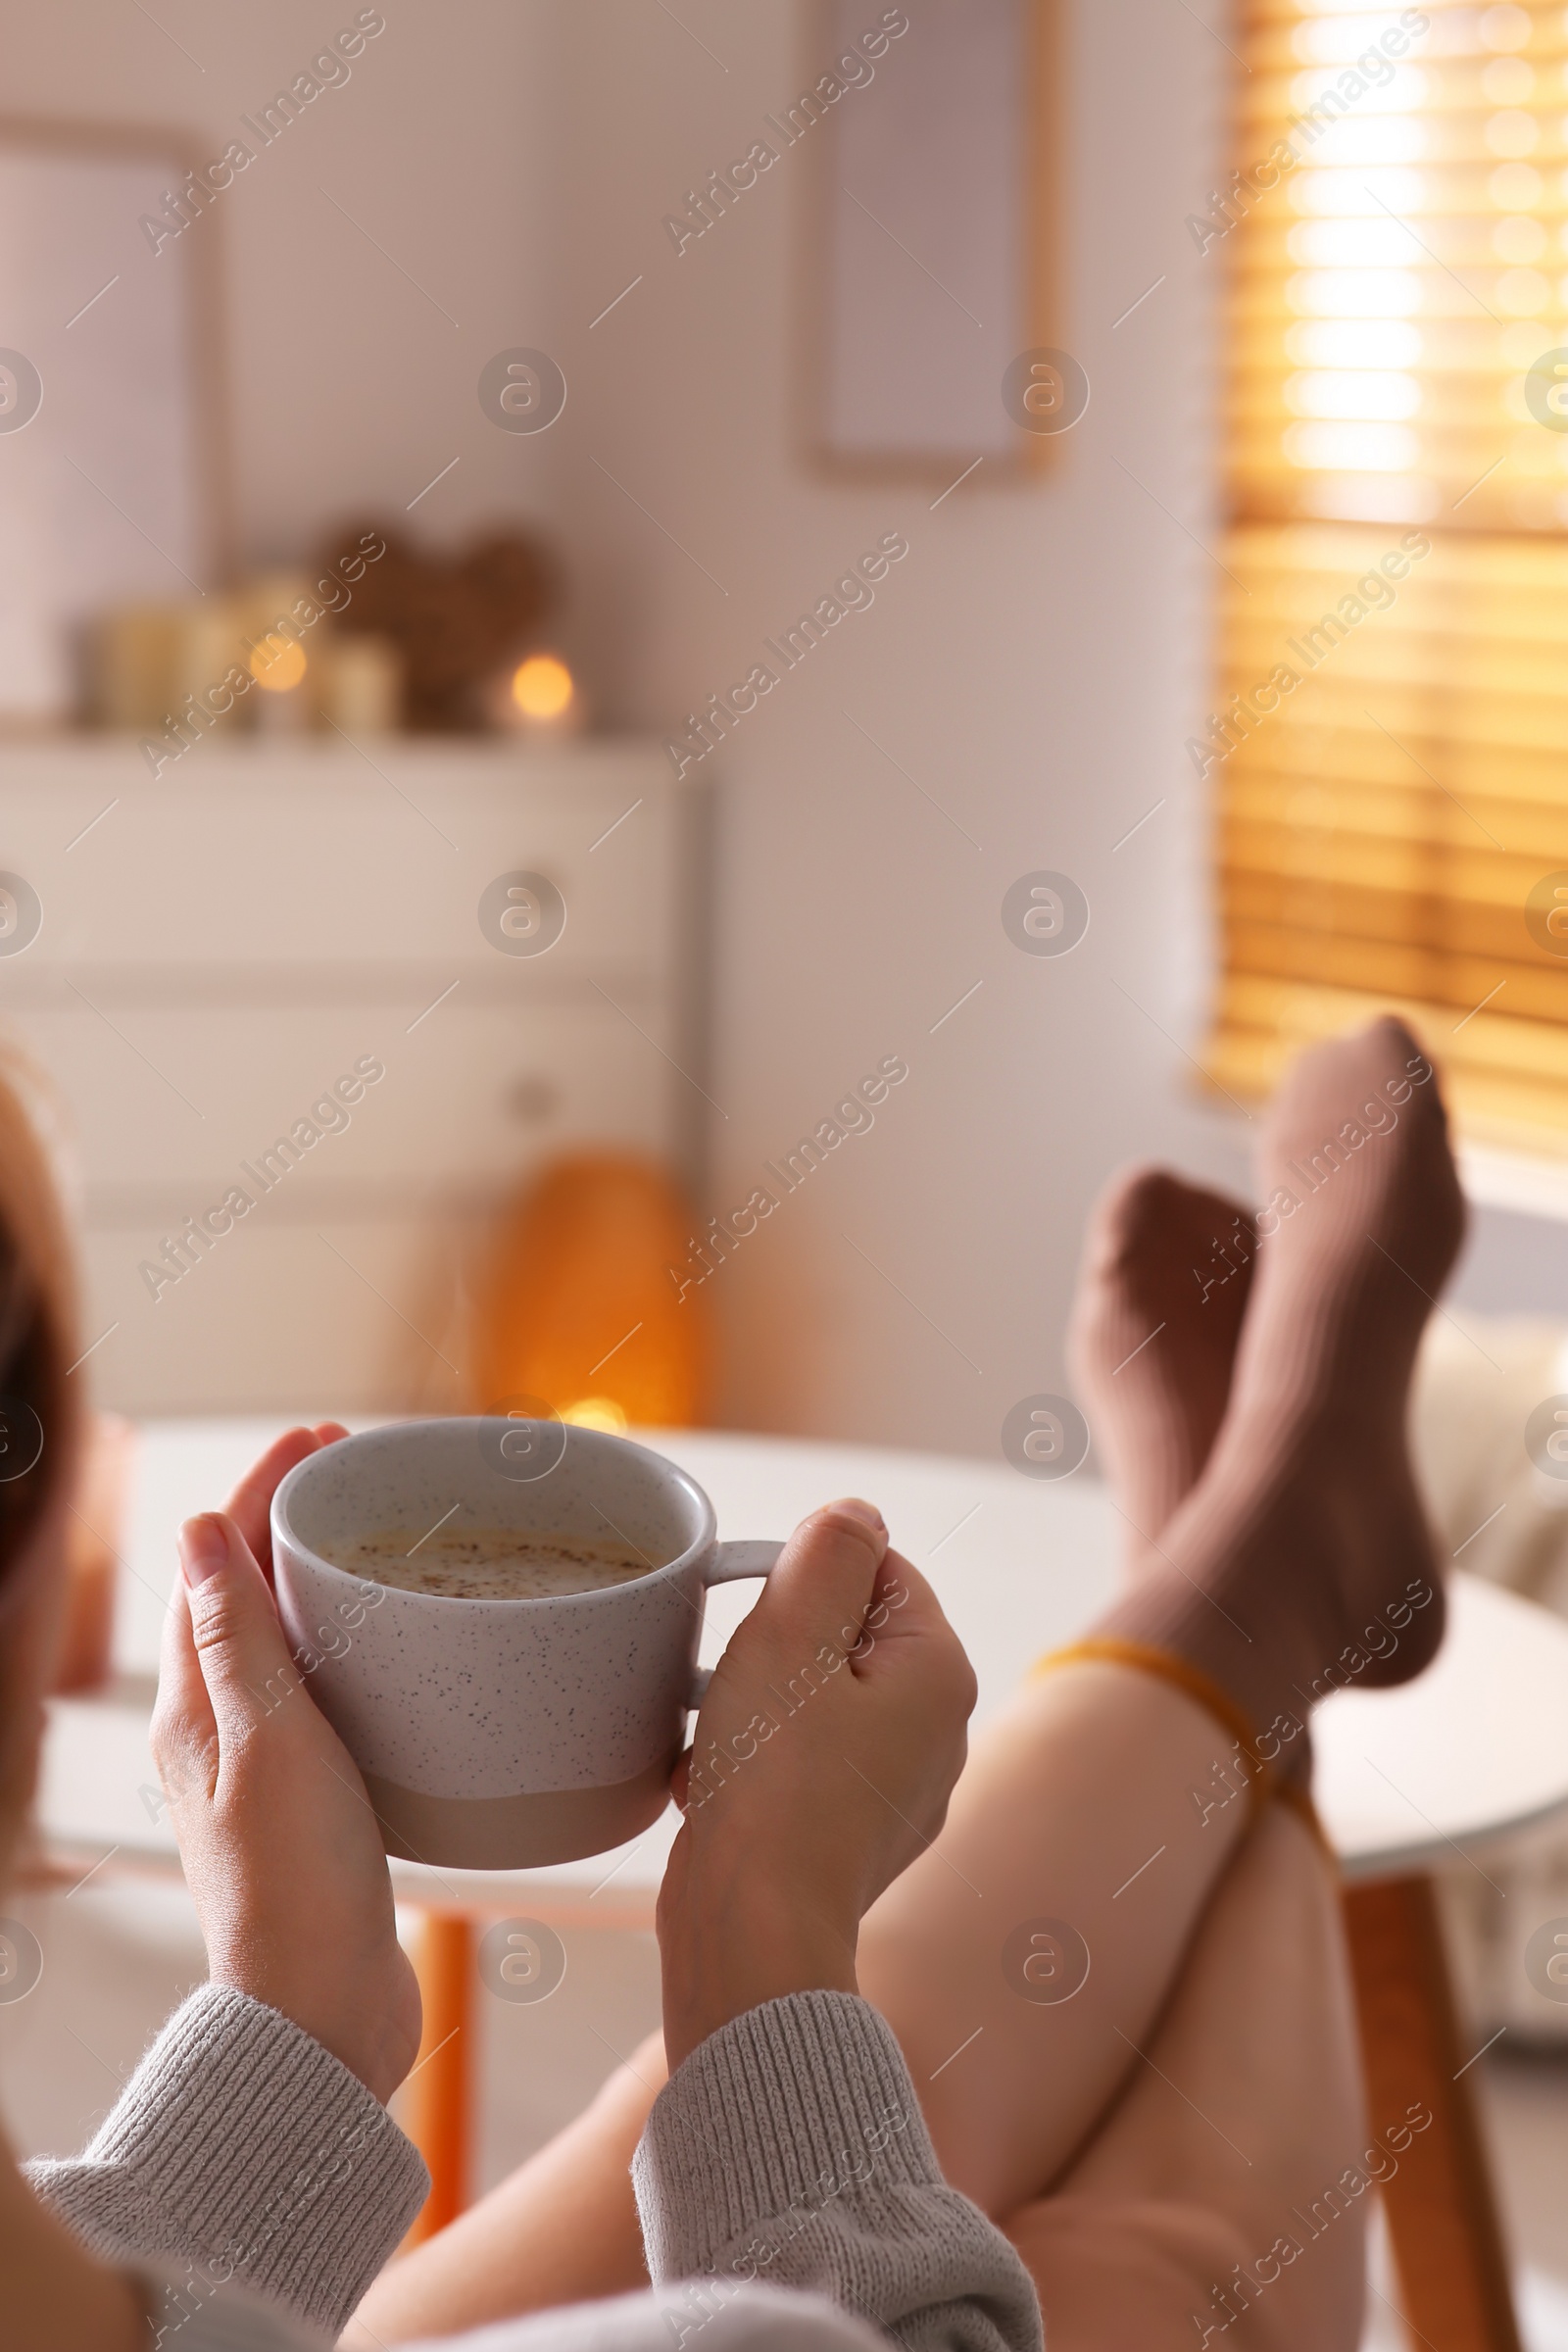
(243, 2149)
(186, 2314)
(779, 2112)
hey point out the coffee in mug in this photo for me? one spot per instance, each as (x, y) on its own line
(500, 1728)
(485, 1563)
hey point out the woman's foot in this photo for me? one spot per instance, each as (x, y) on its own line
(1151, 1343)
(1302, 1561)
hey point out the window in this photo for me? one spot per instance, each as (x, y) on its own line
(1390, 745)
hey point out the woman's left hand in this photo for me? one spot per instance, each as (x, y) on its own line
(828, 1742)
(281, 1850)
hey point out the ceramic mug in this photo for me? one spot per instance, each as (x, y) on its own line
(496, 1735)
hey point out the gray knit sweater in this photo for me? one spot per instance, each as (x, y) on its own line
(259, 2187)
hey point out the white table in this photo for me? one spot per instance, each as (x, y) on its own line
(1476, 1747)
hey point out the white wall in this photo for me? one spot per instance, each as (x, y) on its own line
(1035, 662)
(350, 388)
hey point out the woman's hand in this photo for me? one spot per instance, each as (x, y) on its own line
(826, 1748)
(281, 1846)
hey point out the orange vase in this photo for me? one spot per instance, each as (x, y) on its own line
(576, 1307)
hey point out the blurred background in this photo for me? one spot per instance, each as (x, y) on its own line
(1017, 699)
(642, 727)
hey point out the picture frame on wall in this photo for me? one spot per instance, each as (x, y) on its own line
(115, 477)
(930, 279)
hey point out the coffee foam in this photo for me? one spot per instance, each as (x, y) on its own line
(486, 1563)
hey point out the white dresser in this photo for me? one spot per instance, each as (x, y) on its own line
(221, 946)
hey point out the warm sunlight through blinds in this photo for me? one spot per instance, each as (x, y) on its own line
(1391, 753)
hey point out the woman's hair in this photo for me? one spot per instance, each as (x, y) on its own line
(40, 1426)
(40, 1412)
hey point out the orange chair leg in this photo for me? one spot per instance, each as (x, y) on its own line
(438, 2096)
(1441, 2212)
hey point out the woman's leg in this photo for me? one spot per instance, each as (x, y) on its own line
(1102, 1799)
(1072, 1839)
(1061, 1803)
(1233, 2173)
(562, 2228)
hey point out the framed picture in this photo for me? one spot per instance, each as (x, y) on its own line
(113, 474)
(928, 269)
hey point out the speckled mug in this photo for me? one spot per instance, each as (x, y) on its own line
(496, 1735)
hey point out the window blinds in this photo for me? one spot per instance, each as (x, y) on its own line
(1391, 745)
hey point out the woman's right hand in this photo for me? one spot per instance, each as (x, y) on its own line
(822, 1760)
(282, 1851)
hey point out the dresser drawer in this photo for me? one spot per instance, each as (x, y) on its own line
(322, 858)
(172, 1107)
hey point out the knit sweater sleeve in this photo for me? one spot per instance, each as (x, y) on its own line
(181, 2317)
(243, 2151)
(786, 2153)
(788, 2149)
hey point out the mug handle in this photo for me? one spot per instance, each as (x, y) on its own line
(731, 1562)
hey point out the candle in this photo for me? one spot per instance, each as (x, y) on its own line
(277, 664)
(541, 697)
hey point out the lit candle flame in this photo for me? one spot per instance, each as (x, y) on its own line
(543, 687)
(278, 664)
